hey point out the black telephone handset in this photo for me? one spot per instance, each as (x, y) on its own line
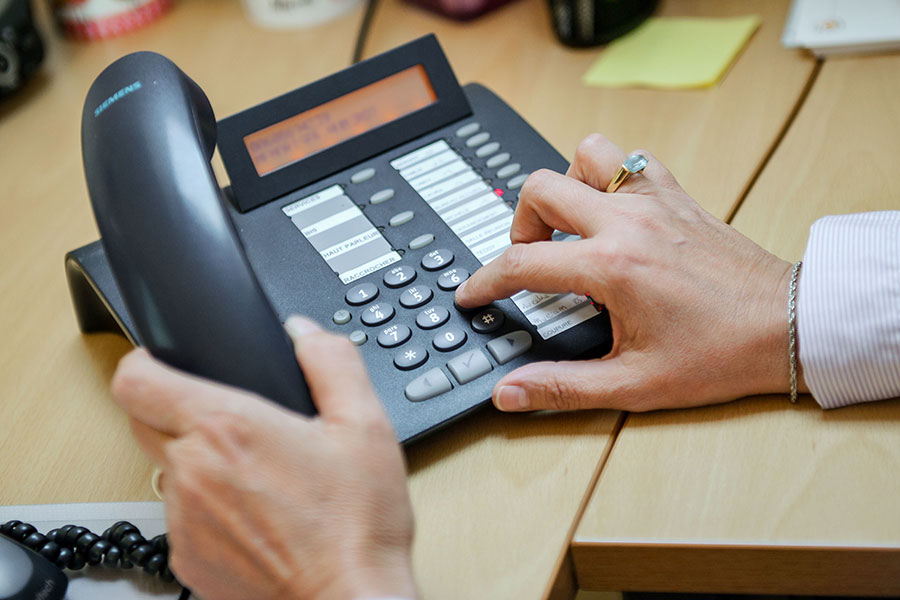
(148, 134)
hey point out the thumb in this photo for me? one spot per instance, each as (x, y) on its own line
(601, 383)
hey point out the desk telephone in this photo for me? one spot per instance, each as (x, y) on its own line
(361, 200)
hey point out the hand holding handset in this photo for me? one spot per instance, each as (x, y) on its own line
(148, 134)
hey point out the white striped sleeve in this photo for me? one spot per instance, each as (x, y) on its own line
(848, 309)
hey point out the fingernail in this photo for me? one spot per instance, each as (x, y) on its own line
(511, 398)
(298, 326)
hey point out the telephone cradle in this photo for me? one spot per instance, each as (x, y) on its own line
(362, 201)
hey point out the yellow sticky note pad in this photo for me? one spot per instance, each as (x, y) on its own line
(673, 52)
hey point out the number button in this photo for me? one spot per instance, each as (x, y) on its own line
(393, 336)
(450, 280)
(416, 296)
(399, 276)
(412, 357)
(377, 314)
(361, 294)
(437, 259)
(449, 339)
(432, 317)
(488, 321)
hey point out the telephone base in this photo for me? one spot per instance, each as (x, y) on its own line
(98, 304)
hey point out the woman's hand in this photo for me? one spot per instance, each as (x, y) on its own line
(265, 503)
(698, 311)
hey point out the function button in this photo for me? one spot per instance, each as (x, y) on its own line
(488, 321)
(449, 339)
(394, 335)
(432, 383)
(469, 366)
(451, 279)
(401, 218)
(467, 130)
(508, 170)
(509, 346)
(478, 139)
(377, 314)
(432, 317)
(382, 196)
(361, 176)
(358, 337)
(487, 149)
(497, 160)
(516, 182)
(399, 276)
(412, 357)
(437, 259)
(341, 316)
(421, 241)
(416, 296)
(361, 294)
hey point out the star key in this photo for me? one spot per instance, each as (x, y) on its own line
(411, 358)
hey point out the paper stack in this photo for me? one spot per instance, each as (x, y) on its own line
(828, 27)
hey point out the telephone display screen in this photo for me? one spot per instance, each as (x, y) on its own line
(338, 120)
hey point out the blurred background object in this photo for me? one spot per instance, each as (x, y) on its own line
(843, 26)
(463, 10)
(593, 22)
(21, 48)
(290, 14)
(99, 19)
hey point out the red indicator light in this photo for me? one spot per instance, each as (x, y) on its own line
(499, 192)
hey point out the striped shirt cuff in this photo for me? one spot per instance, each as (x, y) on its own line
(848, 309)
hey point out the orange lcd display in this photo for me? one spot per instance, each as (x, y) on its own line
(337, 120)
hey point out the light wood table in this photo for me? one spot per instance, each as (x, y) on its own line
(496, 496)
(759, 496)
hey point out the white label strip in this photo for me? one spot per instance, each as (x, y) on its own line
(420, 154)
(428, 164)
(310, 201)
(332, 221)
(370, 267)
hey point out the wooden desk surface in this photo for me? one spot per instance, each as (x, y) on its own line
(497, 496)
(759, 496)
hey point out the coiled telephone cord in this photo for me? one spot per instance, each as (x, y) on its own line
(72, 547)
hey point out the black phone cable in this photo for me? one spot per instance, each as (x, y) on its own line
(72, 547)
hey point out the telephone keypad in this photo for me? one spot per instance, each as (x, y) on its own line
(361, 294)
(437, 259)
(377, 314)
(393, 336)
(410, 358)
(399, 276)
(449, 339)
(452, 279)
(432, 317)
(416, 296)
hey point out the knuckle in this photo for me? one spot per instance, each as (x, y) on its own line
(514, 260)
(225, 430)
(536, 183)
(558, 394)
(589, 145)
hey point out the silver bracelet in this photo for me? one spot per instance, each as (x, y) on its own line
(792, 327)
